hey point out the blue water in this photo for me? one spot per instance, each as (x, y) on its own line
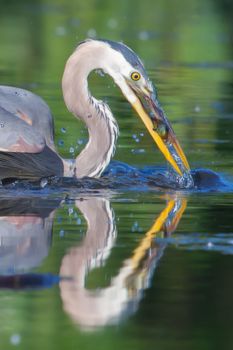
(120, 176)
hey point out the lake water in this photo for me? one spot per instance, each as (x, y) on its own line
(123, 262)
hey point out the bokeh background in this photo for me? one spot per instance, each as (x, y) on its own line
(186, 46)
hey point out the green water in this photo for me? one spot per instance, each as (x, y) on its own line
(130, 288)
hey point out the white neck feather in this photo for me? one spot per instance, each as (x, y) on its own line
(101, 124)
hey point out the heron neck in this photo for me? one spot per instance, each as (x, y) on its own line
(101, 125)
(103, 132)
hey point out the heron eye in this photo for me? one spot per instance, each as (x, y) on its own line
(135, 76)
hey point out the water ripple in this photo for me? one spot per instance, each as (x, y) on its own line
(222, 243)
(120, 177)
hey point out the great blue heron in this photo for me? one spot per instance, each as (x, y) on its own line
(27, 147)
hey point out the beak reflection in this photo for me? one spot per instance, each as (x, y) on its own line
(152, 115)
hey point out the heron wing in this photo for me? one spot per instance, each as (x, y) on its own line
(16, 135)
(31, 109)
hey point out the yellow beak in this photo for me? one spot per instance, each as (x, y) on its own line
(162, 133)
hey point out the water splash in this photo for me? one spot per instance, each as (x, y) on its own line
(122, 177)
(184, 181)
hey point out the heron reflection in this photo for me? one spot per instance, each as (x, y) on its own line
(89, 309)
(109, 305)
(25, 233)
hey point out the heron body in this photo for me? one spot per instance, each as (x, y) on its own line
(27, 148)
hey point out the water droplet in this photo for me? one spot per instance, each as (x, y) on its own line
(59, 219)
(100, 72)
(70, 211)
(75, 22)
(135, 227)
(80, 141)
(91, 33)
(60, 31)
(15, 339)
(112, 23)
(197, 109)
(61, 233)
(78, 221)
(143, 35)
(138, 151)
(43, 183)
(60, 143)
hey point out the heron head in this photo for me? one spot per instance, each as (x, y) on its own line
(129, 74)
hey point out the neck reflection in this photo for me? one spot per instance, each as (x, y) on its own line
(96, 308)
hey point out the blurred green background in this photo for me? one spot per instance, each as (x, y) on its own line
(186, 46)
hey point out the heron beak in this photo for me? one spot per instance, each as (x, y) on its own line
(147, 107)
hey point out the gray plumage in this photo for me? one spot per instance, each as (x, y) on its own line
(30, 165)
(26, 136)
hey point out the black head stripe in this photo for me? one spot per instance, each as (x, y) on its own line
(129, 55)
